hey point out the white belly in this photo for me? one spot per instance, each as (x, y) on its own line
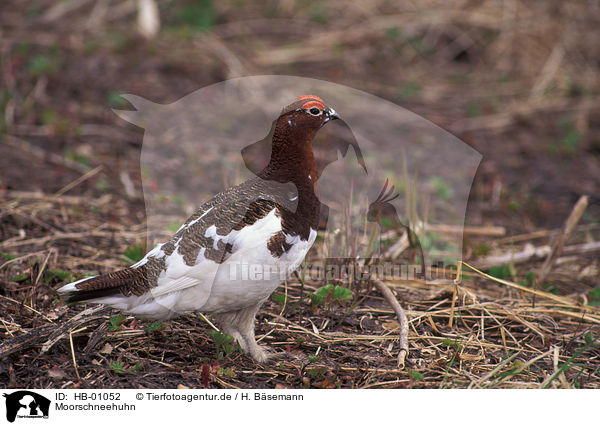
(252, 273)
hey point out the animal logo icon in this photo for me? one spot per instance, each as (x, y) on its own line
(26, 404)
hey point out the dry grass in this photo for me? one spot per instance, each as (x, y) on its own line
(478, 333)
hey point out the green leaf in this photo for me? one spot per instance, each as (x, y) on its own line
(41, 65)
(116, 321)
(594, 296)
(199, 14)
(134, 253)
(387, 222)
(136, 367)
(174, 227)
(316, 301)
(228, 348)
(320, 296)
(393, 32)
(442, 189)
(58, 275)
(224, 343)
(501, 272)
(571, 141)
(154, 327)
(408, 90)
(7, 256)
(330, 292)
(529, 279)
(279, 299)
(450, 343)
(48, 116)
(324, 291)
(549, 287)
(118, 368)
(115, 100)
(225, 372)
(220, 338)
(317, 372)
(341, 294)
(415, 375)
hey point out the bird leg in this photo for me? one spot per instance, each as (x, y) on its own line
(240, 325)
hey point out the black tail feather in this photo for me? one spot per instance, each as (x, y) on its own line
(80, 296)
(126, 282)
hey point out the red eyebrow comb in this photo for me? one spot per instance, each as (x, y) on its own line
(308, 96)
(312, 104)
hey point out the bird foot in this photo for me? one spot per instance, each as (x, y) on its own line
(269, 355)
(262, 354)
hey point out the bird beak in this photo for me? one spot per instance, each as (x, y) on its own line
(330, 114)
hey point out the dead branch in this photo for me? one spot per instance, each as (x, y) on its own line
(50, 334)
(402, 320)
(533, 253)
(567, 230)
(468, 230)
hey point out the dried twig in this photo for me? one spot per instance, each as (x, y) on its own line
(559, 299)
(468, 230)
(532, 253)
(402, 320)
(86, 316)
(79, 180)
(567, 230)
(73, 351)
(28, 308)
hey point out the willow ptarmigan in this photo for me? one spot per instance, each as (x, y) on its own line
(232, 253)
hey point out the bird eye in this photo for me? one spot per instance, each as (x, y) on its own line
(314, 111)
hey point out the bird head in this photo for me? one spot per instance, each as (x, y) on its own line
(307, 114)
(300, 123)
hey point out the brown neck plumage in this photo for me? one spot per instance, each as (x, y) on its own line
(292, 160)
